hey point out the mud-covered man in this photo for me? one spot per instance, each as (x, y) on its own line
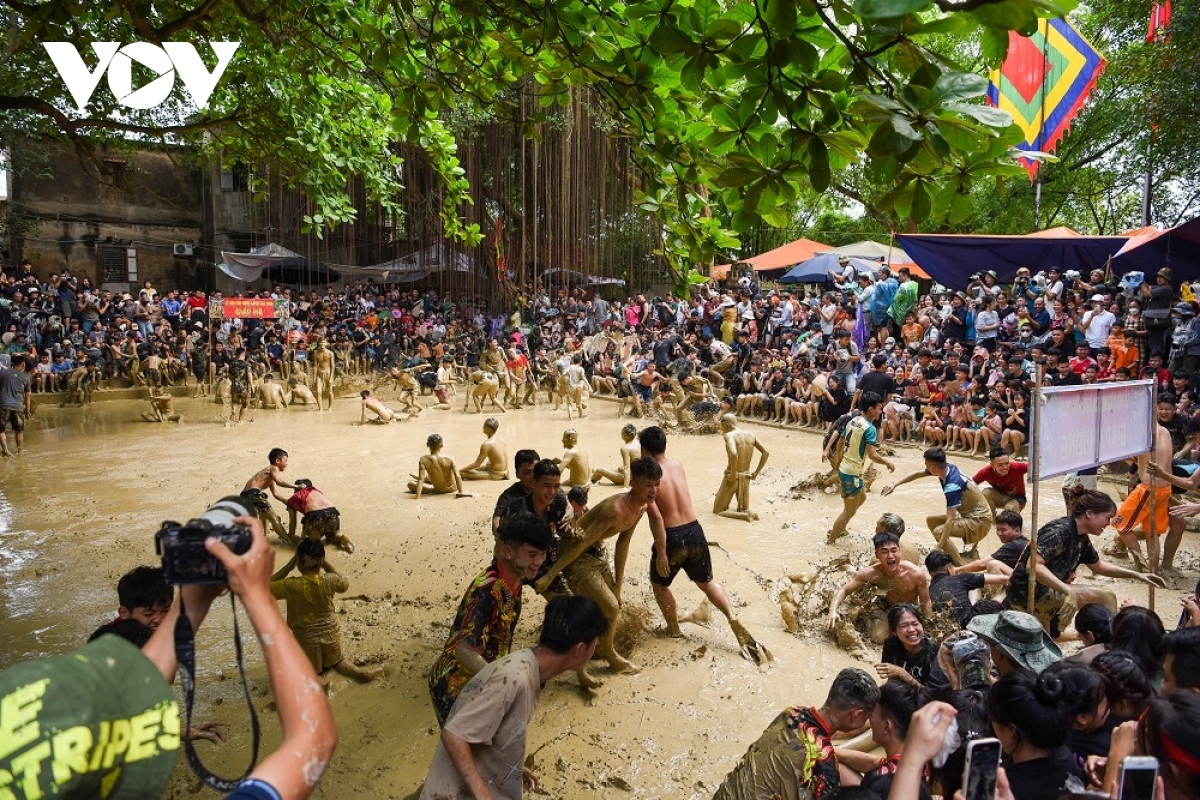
(269, 479)
(320, 519)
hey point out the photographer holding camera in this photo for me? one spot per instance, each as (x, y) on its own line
(105, 716)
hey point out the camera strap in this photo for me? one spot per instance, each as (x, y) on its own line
(185, 654)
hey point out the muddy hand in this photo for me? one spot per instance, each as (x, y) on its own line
(751, 648)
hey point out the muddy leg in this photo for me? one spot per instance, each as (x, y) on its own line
(666, 604)
(360, 674)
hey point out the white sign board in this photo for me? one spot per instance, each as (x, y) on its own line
(1083, 426)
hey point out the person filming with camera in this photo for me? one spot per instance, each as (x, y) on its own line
(105, 716)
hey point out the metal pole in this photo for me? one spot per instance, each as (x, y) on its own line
(1035, 419)
(1152, 533)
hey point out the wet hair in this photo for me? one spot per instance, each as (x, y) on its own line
(364, 393)
(1082, 500)
(545, 469)
(1127, 680)
(1138, 631)
(935, 455)
(1034, 705)
(434, 440)
(1095, 619)
(525, 457)
(853, 690)
(1184, 645)
(630, 429)
(578, 495)
(302, 483)
(276, 454)
(869, 399)
(898, 701)
(892, 523)
(937, 561)
(525, 528)
(996, 452)
(1085, 687)
(899, 610)
(310, 553)
(571, 620)
(130, 630)
(884, 537)
(645, 467)
(981, 608)
(1170, 731)
(1010, 518)
(653, 440)
(144, 587)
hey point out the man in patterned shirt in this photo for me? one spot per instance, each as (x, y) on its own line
(794, 758)
(487, 615)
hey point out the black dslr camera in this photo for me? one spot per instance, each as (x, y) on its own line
(185, 561)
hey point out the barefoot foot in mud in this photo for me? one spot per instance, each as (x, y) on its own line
(751, 649)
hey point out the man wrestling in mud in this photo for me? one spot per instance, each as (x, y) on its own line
(897, 580)
(585, 563)
(320, 521)
(679, 543)
(269, 479)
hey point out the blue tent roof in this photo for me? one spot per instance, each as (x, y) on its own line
(816, 269)
(952, 259)
(1177, 248)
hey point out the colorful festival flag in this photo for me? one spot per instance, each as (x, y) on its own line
(1044, 82)
(1160, 18)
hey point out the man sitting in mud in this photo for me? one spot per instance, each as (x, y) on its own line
(631, 450)
(897, 580)
(489, 610)
(162, 407)
(310, 613)
(320, 521)
(436, 474)
(269, 479)
(270, 394)
(492, 462)
(574, 461)
(585, 564)
(383, 414)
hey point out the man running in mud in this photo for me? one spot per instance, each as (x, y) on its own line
(241, 384)
(489, 610)
(492, 462)
(860, 437)
(269, 479)
(897, 580)
(436, 473)
(310, 613)
(585, 563)
(679, 543)
(321, 520)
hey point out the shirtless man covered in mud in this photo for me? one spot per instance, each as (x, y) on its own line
(492, 462)
(482, 386)
(574, 461)
(269, 479)
(321, 520)
(436, 474)
(897, 580)
(300, 395)
(162, 408)
(383, 414)
(739, 448)
(322, 359)
(270, 394)
(586, 567)
(679, 543)
(631, 450)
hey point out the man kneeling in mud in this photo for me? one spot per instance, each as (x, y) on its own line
(320, 521)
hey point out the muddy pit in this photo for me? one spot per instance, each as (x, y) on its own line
(81, 506)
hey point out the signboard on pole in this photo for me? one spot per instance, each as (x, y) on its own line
(1083, 426)
(247, 308)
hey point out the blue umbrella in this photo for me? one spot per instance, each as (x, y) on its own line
(816, 269)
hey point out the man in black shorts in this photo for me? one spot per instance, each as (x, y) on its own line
(679, 543)
(15, 400)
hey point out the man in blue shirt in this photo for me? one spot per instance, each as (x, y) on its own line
(968, 516)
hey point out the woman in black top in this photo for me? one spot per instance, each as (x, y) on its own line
(1030, 718)
(910, 654)
(835, 403)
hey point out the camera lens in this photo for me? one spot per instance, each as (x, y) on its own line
(222, 513)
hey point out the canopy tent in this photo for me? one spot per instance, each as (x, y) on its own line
(1149, 250)
(816, 269)
(952, 259)
(785, 257)
(290, 267)
(576, 278)
(894, 255)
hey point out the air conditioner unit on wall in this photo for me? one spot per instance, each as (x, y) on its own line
(184, 249)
